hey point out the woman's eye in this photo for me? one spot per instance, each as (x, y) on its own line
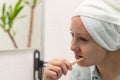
(83, 39)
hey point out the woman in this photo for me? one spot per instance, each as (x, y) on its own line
(95, 30)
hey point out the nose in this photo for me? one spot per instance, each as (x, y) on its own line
(74, 46)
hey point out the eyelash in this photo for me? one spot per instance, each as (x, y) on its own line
(81, 38)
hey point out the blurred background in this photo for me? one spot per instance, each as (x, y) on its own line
(50, 32)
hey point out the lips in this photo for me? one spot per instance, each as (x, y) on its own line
(78, 57)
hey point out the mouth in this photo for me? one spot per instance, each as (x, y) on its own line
(78, 57)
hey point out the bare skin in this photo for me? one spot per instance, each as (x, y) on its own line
(85, 47)
(56, 68)
(109, 69)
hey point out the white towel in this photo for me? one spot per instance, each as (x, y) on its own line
(106, 10)
(101, 19)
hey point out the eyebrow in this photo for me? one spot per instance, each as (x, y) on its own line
(81, 33)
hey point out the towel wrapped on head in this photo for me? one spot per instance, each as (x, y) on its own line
(101, 19)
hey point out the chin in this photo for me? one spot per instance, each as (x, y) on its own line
(84, 65)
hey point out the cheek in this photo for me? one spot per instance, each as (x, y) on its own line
(94, 55)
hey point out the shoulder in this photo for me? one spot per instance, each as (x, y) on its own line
(79, 72)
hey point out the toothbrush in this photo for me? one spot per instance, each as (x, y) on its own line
(74, 62)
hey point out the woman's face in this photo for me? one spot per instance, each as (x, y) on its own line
(84, 46)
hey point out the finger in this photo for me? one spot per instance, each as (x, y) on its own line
(55, 69)
(51, 75)
(64, 69)
(68, 64)
(59, 62)
(64, 64)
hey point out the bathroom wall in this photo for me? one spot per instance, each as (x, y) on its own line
(51, 29)
(57, 36)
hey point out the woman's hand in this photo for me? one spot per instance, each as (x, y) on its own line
(56, 68)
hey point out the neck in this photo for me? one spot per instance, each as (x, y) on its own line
(110, 68)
